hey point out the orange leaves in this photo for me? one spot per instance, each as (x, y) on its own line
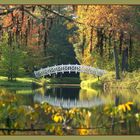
(16, 13)
(7, 20)
(14, 29)
(107, 18)
(104, 15)
(34, 30)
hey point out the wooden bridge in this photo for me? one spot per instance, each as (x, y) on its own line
(69, 68)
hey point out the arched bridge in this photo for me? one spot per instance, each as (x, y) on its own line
(69, 68)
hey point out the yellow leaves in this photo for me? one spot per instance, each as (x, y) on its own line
(34, 116)
(122, 107)
(89, 114)
(57, 118)
(128, 107)
(16, 125)
(73, 110)
(83, 132)
(87, 59)
(2, 104)
(88, 119)
(70, 26)
(130, 103)
(54, 129)
(106, 108)
(36, 106)
(125, 107)
(49, 109)
(120, 110)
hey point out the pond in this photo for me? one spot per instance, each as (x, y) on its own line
(69, 110)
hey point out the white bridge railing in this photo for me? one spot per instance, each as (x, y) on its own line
(69, 68)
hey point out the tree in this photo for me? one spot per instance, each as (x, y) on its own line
(101, 25)
(11, 58)
(59, 46)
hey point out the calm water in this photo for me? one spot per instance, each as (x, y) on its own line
(99, 103)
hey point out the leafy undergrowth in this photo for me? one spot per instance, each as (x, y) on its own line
(15, 116)
(90, 84)
(51, 120)
(128, 80)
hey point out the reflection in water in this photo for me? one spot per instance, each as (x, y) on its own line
(69, 97)
(24, 96)
(68, 103)
(102, 104)
(63, 92)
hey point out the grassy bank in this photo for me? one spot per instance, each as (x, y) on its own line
(128, 81)
(29, 82)
(92, 83)
(20, 82)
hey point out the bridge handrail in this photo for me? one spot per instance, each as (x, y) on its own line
(69, 68)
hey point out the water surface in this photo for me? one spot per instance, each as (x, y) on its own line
(98, 102)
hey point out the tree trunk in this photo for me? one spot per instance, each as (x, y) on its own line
(83, 43)
(130, 53)
(91, 38)
(10, 75)
(45, 34)
(116, 61)
(109, 46)
(125, 60)
(45, 42)
(130, 46)
(121, 43)
(101, 43)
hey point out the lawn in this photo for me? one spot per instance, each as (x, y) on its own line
(28, 81)
(128, 80)
(20, 82)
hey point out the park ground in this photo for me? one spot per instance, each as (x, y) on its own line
(127, 80)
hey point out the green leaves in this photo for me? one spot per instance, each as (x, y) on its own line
(11, 58)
